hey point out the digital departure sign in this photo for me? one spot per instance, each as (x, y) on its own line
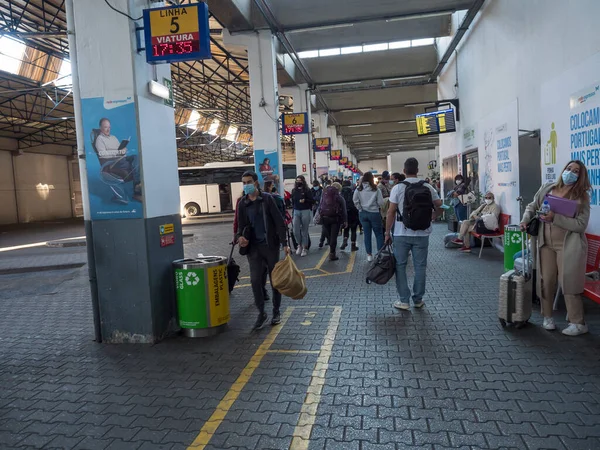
(177, 33)
(294, 123)
(335, 155)
(344, 161)
(322, 144)
(436, 122)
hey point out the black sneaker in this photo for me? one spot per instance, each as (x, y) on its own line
(354, 247)
(260, 322)
(276, 320)
(320, 245)
(344, 245)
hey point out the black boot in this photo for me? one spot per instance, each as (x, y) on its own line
(321, 244)
(344, 244)
(333, 257)
(354, 247)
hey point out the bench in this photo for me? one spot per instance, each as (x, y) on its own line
(592, 288)
(502, 222)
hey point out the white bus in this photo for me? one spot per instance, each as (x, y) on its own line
(215, 187)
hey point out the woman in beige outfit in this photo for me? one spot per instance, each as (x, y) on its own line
(490, 209)
(562, 239)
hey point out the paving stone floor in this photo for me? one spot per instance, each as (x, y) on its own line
(446, 376)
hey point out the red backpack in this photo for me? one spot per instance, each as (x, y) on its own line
(329, 203)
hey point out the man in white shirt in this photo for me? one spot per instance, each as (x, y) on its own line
(115, 160)
(407, 240)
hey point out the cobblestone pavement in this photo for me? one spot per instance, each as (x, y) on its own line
(346, 369)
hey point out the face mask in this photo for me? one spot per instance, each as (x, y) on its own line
(488, 201)
(249, 189)
(391, 182)
(569, 177)
(299, 185)
(458, 181)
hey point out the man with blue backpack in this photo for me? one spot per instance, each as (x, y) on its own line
(413, 206)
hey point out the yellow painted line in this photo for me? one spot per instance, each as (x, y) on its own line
(351, 262)
(217, 417)
(308, 413)
(296, 352)
(322, 261)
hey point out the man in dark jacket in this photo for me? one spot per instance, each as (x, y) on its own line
(261, 230)
(334, 216)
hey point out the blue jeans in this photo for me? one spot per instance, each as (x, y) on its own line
(372, 222)
(461, 212)
(301, 222)
(419, 247)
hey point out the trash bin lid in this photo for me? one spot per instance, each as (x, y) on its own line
(199, 263)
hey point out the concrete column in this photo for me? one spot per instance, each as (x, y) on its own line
(303, 142)
(130, 265)
(264, 95)
(321, 158)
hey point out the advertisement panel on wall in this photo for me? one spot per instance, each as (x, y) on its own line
(499, 158)
(571, 127)
(266, 164)
(111, 154)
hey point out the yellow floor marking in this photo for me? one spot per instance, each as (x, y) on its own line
(217, 417)
(351, 262)
(296, 352)
(322, 261)
(308, 413)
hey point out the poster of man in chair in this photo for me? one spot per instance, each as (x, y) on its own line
(111, 151)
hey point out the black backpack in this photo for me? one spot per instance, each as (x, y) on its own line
(418, 206)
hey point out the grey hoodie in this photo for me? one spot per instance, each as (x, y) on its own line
(368, 200)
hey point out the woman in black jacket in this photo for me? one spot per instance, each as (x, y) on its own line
(302, 202)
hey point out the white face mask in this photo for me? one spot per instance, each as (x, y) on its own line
(488, 201)
(458, 181)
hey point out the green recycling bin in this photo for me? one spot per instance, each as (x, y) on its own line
(512, 244)
(202, 295)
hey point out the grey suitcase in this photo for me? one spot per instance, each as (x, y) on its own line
(514, 305)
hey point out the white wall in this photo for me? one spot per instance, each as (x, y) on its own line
(8, 210)
(396, 161)
(368, 165)
(512, 48)
(41, 182)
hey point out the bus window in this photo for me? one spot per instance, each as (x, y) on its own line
(289, 172)
(190, 177)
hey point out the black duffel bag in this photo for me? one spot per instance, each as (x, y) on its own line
(383, 266)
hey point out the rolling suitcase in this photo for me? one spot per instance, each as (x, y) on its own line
(514, 306)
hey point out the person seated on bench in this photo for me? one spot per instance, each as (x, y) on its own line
(562, 246)
(484, 220)
(109, 150)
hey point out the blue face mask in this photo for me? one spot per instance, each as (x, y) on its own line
(249, 189)
(569, 177)
(391, 182)
(316, 188)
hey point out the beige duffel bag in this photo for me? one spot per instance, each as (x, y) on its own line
(288, 280)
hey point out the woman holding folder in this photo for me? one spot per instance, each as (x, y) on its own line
(561, 243)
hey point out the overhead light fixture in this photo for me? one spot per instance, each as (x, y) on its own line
(346, 83)
(403, 132)
(361, 135)
(419, 16)
(407, 121)
(419, 104)
(321, 28)
(361, 125)
(356, 110)
(159, 90)
(411, 77)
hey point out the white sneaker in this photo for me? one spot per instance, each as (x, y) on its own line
(304, 253)
(402, 306)
(420, 304)
(369, 258)
(549, 324)
(575, 329)
(299, 251)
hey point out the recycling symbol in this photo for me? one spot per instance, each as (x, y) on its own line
(515, 238)
(192, 279)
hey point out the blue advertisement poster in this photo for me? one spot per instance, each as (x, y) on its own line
(266, 164)
(111, 155)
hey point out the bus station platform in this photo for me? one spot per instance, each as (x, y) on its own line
(344, 370)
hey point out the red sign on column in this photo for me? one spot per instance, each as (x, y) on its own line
(303, 167)
(167, 240)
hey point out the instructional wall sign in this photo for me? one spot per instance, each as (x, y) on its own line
(571, 127)
(177, 33)
(294, 123)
